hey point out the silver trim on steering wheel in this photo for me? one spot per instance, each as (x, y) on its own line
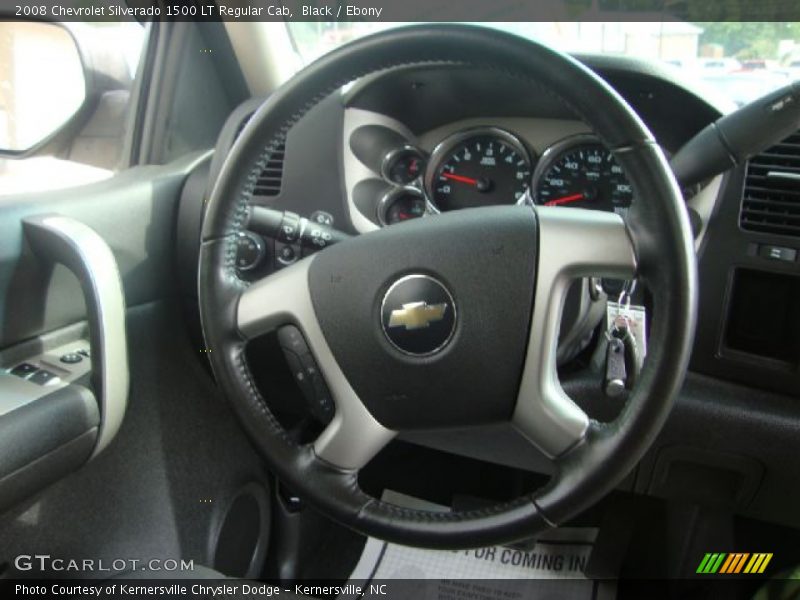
(353, 437)
(573, 243)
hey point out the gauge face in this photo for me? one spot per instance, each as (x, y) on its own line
(404, 165)
(402, 205)
(478, 168)
(582, 173)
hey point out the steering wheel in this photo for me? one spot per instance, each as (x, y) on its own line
(452, 321)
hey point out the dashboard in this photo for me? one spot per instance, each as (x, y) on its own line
(414, 142)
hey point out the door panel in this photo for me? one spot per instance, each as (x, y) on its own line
(134, 212)
(160, 489)
(67, 256)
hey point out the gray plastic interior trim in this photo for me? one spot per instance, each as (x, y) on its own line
(16, 392)
(64, 240)
(354, 170)
(46, 343)
(704, 203)
(353, 437)
(573, 243)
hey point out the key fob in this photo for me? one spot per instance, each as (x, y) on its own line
(616, 373)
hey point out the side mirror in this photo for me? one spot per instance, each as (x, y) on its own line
(42, 83)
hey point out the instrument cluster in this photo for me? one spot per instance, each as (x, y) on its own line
(484, 166)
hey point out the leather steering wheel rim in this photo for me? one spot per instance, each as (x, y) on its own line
(654, 242)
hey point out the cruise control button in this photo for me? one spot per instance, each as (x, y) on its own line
(294, 366)
(24, 369)
(305, 372)
(299, 373)
(292, 339)
(323, 395)
(309, 365)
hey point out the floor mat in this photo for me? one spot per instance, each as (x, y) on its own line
(553, 568)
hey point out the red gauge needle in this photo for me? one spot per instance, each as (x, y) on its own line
(565, 200)
(460, 178)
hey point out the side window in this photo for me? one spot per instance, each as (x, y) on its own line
(200, 100)
(65, 98)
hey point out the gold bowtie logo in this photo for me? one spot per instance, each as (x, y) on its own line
(417, 315)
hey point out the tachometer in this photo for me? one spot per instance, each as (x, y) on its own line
(581, 172)
(478, 167)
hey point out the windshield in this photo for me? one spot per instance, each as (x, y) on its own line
(742, 60)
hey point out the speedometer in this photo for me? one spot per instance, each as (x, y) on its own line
(581, 172)
(478, 167)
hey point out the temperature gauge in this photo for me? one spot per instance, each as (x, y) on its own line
(401, 204)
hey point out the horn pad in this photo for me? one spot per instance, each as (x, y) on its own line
(429, 319)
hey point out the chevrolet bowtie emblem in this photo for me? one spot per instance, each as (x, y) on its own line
(417, 315)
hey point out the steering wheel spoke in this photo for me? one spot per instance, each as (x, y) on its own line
(353, 436)
(572, 243)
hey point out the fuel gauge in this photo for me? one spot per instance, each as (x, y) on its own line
(401, 204)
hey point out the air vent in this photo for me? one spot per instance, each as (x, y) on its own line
(269, 182)
(771, 199)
